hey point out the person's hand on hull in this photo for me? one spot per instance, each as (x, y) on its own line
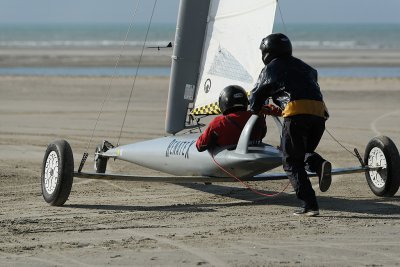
(271, 110)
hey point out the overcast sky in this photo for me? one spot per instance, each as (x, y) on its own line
(94, 11)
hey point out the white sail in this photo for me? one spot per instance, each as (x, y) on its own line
(231, 52)
(216, 45)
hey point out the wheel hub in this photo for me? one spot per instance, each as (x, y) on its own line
(377, 159)
(51, 172)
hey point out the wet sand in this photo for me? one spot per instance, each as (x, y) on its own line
(156, 224)
(101, 57)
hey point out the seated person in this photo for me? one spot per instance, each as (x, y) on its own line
(225, 129)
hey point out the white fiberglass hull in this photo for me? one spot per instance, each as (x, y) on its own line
(178, 155)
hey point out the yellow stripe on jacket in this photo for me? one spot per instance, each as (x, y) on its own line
(305, 106)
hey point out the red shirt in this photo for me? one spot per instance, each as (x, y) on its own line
(229, 130)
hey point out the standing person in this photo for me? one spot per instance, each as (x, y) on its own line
(293, 87)
(225, 129)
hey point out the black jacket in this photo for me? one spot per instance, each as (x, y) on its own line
(293, 86)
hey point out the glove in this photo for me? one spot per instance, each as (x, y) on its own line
(271, 110)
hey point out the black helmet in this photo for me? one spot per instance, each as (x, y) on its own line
(275, 45)
(232, 98)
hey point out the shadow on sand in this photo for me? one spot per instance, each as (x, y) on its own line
(361, 208)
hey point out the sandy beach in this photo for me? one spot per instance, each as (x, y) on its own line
(156, 224)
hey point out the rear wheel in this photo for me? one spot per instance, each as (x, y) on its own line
(381, 152)
(57, 173)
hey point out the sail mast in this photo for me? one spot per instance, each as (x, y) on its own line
(188, 47)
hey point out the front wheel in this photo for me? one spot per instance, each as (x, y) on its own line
(381, 153)
(57, 173)
(100, 162)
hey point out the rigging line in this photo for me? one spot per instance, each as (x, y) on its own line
(280, 13)
(244, 183)
(114, 73)
(137, 70)
(326, 129)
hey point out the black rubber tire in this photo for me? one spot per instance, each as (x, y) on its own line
(390, 175)
(100, 163)
(59, 193)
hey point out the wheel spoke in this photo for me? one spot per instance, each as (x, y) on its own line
(377, 159)
(51, 172)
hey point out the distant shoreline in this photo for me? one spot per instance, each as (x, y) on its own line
(378, 72)
(107, 57)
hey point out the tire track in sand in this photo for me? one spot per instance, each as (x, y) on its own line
(209, 258)
(375, 121)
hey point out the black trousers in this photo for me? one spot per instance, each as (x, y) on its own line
(300, 137)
